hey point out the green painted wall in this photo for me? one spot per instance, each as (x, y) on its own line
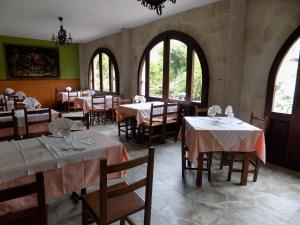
(68, 57)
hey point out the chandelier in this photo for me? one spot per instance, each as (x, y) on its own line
(157, 5)
(61, 39)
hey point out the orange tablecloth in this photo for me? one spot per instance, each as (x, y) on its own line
(70, 177)
(205, 134)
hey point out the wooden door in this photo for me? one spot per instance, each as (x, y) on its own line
(283, 106)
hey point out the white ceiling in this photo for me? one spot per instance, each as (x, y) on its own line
(86, 20)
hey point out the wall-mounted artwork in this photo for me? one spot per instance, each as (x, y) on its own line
(29, 62)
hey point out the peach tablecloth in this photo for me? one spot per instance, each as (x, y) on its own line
(141, 111)
(206, 134)
(21, 123)
(64, 171)
(85, 103)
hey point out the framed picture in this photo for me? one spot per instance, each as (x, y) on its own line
(29, 62)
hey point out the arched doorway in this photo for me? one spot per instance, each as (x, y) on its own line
(283, 105)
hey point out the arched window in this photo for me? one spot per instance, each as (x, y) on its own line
(174, 67)
(103, 72)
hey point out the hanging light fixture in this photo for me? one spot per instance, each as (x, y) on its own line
(157, 5)
(61, 39)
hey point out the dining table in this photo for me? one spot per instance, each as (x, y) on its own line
(85, 102)
(141, 111)
(62, 96)
(20, 117)
(222, 134)
(69, 163)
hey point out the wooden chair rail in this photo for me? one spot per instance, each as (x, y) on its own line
(127, 165)
(131, 187)
(17, 192)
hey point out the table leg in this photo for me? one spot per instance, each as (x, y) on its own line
(200, 169)
(245, 168)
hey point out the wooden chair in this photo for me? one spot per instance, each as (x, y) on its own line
(85, 119)
(172, 118)
(71, 96)
(127, 124)
(186, 164)
(238, 157)
(45, 118)
(33, 216)
(98, 109)
(10, 121)
(199, 111)
(156, 122)
(114, 105)
(3, 105)
(117, 202)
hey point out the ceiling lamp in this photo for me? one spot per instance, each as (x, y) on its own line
(62, 39)
(157, 5)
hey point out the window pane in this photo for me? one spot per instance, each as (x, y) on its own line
(177, 74)
(113, 77)
(286, 80)
(156, 71)
(96, 73)
(197, 79)
(143, 80)
(105, 72)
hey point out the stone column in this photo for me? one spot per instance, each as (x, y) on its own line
(125, 65)
(235, 49)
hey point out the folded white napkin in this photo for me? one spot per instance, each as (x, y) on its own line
(8, 91)
(31, 102)
(20, 94)
(214, 110)
(142, 99)
(68, 89)
(61, 127)
(90, 92)
(229, 111)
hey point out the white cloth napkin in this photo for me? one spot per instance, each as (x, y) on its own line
(68, 89)
(214, 110)
(31, 103)
(8, 91)
(61, 127)
(229, 111)
(90, 92)
(20, 94)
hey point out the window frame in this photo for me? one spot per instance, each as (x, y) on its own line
(112, 64)
(192, 46)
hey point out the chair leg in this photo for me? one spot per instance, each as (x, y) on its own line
(126, 128)
(183, 165)
(119, 129)
(84, 214)
(209, 163)
(257, 165)
(222, 160)
(122, 222)
(230, 159)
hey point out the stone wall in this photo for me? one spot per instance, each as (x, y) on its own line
(240, 39)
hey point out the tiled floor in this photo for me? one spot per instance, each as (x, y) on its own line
(274, 199)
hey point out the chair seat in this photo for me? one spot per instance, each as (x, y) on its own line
(28, 215)
(118, 206)
(154, 123)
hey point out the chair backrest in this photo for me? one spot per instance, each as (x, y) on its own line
(38, 214)
(199, 111)
(72, 94)
(3, 105)
(8, 120)
(18, 103)
(115, 101)
(99, 102)
(259, 121)
(171, 111)
(42, 116)
(123, 101)
(106, 194)
(157, 111)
